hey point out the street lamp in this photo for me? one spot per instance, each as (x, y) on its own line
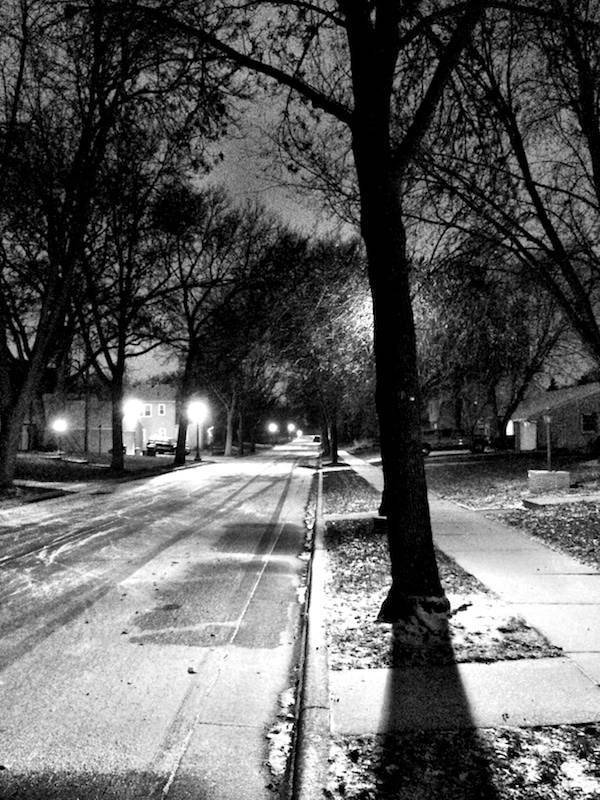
(291, 428)
(273, 429)
(59, 426)
(132, 411)
(197, 413)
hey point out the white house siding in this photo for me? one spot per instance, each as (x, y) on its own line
(566, 425)
(151, 425)
(566, 409)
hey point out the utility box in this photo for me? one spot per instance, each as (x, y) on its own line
(548, 480)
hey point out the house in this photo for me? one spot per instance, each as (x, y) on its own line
(572, 415)
(149, 412)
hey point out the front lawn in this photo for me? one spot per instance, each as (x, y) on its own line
(48, 473)
(499, 481)
(47, 467)
(559, 762)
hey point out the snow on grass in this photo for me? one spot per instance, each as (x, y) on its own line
(545, 763)
(480, 628)
(573, 528)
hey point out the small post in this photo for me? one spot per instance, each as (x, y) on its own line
(548, 420)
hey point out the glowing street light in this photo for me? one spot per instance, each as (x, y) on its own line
(132, 411)
(59, 426)
(197, 413)
(273, 429)
(291, 428)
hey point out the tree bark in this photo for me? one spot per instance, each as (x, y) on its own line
(229, 429)
(240, 434)
(416, 585)
(182, 429)
(117, 461)
(334, 439)
(325, 442)
(415, 578)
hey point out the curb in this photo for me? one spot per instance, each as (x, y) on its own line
(311, 749)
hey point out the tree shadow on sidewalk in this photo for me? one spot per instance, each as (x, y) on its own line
(429, 747)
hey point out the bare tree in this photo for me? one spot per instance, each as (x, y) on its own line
(223, 263)
(484, 333)
(376, 69)
(522, 169)
(62, 100)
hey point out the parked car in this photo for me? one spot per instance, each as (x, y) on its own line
(449, 439)
(162, 447)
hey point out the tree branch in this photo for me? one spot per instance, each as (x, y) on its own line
(310, 93)
(447, 61)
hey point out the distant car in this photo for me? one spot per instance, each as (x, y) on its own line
(448, 439)
(162, 447)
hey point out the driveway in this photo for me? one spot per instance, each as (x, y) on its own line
(149, 636)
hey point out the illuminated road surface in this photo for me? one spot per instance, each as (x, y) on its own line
(147, 634)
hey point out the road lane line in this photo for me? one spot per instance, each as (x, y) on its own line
(173, 755)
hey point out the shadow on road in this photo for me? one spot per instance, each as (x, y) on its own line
(65, 785)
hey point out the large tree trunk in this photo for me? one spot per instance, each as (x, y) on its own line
(17, 400)
(334, 438)
(182, 429)
(117, 461)
(10, 433)
(229, 426)
(415, 580)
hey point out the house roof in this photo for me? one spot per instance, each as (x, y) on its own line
(157, 392)
(548, 401)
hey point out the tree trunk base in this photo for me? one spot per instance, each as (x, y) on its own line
(431, 612)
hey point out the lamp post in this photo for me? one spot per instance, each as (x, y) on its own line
(59, 426)
(291, 428)
(548, 420)
(197, 413)
(273, 429)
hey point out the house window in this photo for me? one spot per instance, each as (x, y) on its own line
(147, 410)
(589, 423)
(162, 409)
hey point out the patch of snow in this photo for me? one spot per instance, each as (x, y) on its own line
(574, 771)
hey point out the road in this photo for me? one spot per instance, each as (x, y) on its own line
(150, 633)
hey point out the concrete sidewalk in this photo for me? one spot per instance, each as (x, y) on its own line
(554, 593)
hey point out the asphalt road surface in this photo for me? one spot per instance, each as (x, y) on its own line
(149, 635)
